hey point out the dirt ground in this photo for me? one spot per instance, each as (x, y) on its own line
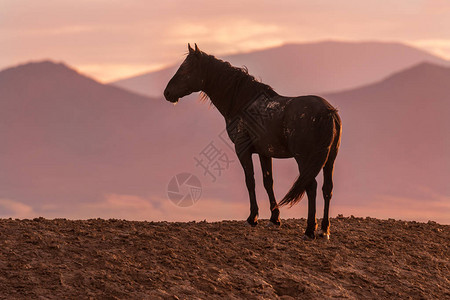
(117, 259)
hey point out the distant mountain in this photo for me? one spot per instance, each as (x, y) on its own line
(62, 133)
(72, 147)
(67, 139)
(296, 69)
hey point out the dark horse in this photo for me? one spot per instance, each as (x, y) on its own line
(260, 121)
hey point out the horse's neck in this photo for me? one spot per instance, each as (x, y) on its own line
(227, 99)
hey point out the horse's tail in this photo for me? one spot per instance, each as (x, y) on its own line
(316, 161)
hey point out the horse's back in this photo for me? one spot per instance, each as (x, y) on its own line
(311, 104)
(285, 126)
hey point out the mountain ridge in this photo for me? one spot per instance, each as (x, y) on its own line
(309, 68)
(55, 72)
(417, 71)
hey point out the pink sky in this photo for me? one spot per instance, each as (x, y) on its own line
(116, 39)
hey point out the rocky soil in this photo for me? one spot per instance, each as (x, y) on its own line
(116, 259)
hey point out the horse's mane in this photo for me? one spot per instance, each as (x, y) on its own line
(230, 78)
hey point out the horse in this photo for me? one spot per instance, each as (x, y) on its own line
(259, 120)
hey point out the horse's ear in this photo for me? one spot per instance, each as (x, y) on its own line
(196, 48)
(190, 49)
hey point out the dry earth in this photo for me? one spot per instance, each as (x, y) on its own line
(116, 259)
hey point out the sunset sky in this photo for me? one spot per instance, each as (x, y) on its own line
(115, 39)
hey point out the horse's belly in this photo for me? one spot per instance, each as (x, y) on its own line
(273, 145)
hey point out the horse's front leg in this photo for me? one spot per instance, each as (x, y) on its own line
(245, 157)
(266, 167)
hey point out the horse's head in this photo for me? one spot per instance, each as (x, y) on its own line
(187, 79)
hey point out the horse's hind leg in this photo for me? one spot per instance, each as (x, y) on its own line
(311, 191)
(327, 187)
(266, 167)
(327, 190)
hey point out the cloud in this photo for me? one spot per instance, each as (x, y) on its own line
(112, 71)
(139, 34)
(232, 36)
(162, 209)
(440, 47)
(14, 209)
(56, 31)
(132, 207)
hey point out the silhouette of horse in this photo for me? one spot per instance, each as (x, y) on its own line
(259, 120)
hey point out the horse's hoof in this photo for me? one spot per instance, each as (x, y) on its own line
(307, 237)
(252, 223)
(323, 234)
(275, 224)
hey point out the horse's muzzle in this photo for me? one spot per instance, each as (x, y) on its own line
(170, 97)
